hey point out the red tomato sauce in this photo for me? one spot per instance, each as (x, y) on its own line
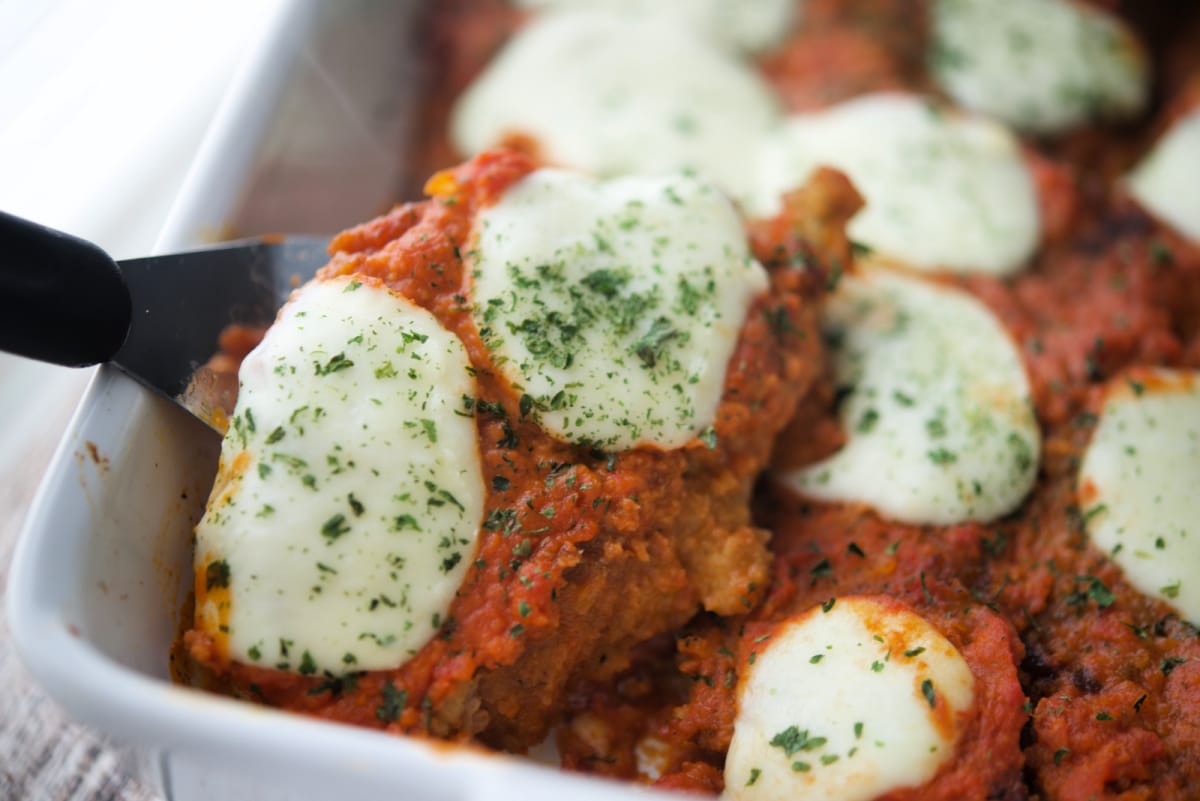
(1111, 673)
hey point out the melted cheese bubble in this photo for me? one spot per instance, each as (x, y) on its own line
(350, 491)
(943, 190)
(1167, 181)
(618, 96)
(1041, 65)
(848, 702)
(614, 306)
(940, 427)
(1138, 484)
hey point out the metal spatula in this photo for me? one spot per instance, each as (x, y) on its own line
(64, 300)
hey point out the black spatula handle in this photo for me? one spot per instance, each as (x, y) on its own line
(62, 299)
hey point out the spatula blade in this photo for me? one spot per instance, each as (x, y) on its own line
(182, 302)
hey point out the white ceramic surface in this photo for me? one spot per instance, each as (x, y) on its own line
(103, 565)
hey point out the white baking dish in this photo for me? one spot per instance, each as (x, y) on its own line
(310, 139)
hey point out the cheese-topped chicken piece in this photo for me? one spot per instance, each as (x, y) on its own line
(349, 495)
(1138, 484)
(508, 434)
(849, 700)
(1167, 181)
(748, 25)
(937, 412)
(943, 190)
(617, 313)
(1044, 66)
(615, 95)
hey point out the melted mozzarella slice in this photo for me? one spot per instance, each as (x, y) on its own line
(944, 191)
(748, 25)
(1167, 181)
(349, 495)
(614, 306)
(1138, 484)
(1041, 65)
(938, 415)
(849, 703)
(615, 96)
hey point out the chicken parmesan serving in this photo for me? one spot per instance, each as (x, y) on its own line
(506, 435)
(780, 399)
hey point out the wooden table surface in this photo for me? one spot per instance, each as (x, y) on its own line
(43, 756)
